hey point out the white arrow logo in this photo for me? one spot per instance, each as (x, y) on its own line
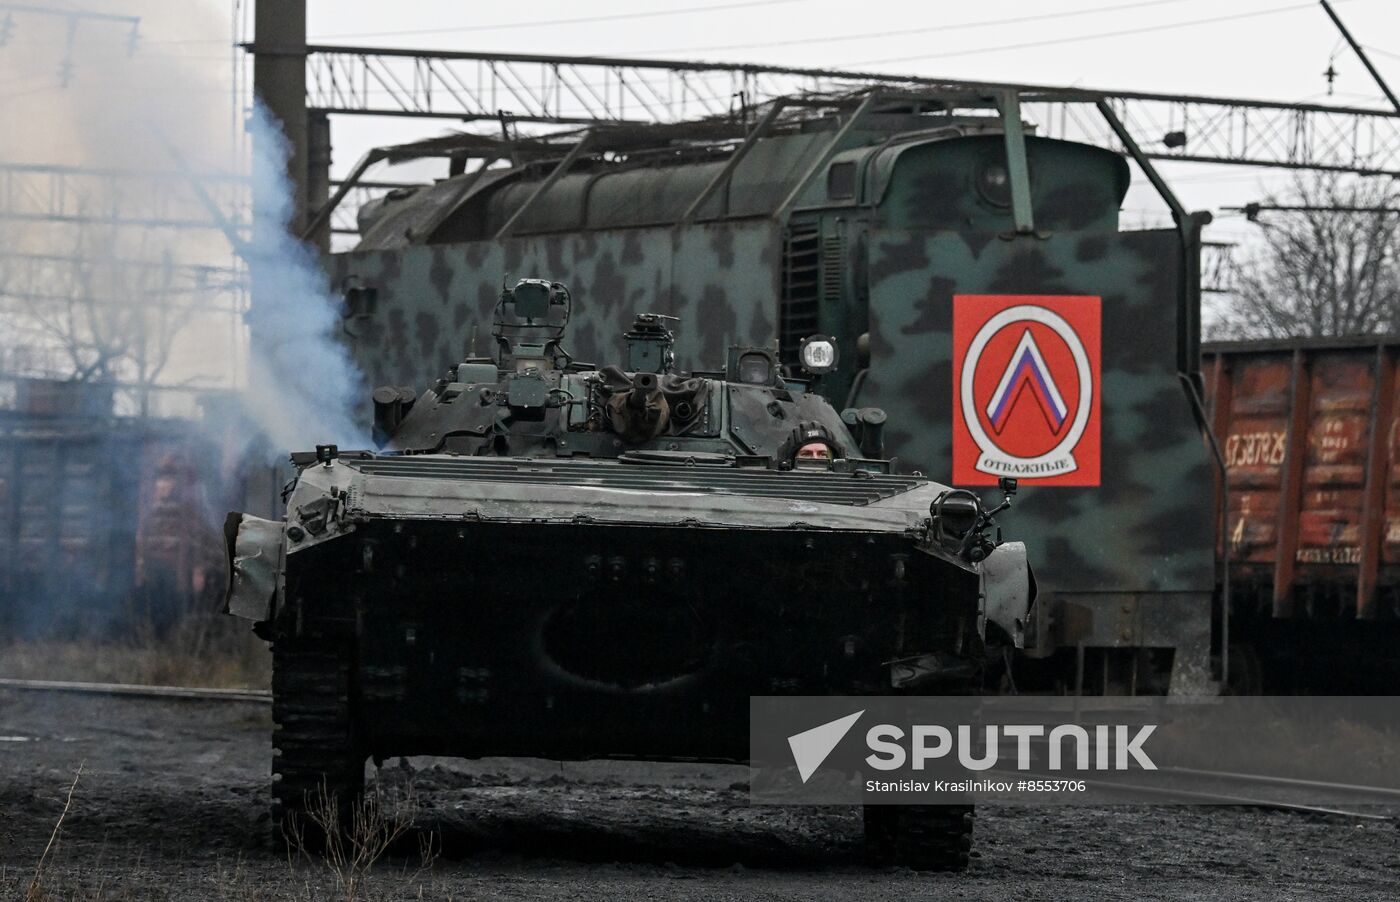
(810, 747)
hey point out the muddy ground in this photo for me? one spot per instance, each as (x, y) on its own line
(171, 805)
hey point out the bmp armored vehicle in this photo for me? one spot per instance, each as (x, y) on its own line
(554, 559)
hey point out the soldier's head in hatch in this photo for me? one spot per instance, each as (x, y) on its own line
(811, 445)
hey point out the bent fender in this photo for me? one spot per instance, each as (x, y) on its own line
(1007, 591)
(254, 547)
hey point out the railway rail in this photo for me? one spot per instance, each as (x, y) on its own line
(1264, 779)
(1225, 798)
(257, 696)
(263, 696)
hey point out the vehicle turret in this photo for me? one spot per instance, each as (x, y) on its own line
(552, 558)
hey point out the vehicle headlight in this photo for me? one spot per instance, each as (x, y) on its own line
(955, 514)
(818, 354)
(755, 369)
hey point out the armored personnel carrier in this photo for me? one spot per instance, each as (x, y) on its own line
(553, 559)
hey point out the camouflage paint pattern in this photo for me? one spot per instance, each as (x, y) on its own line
(1126, 564)
(1141, 535)
(434, 304)
(1129, 562)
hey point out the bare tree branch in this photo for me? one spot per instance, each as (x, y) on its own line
(1324, 272)
(96, 298)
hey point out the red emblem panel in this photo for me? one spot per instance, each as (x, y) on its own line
(1026, 394)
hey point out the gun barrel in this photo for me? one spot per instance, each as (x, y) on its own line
(644, 389)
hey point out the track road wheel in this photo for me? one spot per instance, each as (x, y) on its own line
(921, 837)
(318, 767)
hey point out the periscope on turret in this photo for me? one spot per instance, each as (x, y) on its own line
(548, 557)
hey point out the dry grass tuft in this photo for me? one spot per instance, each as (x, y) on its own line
(35, 892)
(201, 650)
(350, 850)
(341, 870)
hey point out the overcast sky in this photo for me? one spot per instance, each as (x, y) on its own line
(1273, 49)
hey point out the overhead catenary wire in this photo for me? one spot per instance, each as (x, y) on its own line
(532, 23)
(551, 23)
(939, 29)
(1072, 39)
(1361, 54)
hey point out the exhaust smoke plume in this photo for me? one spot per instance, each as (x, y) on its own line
(302, 388)
(127, 330)
(118, 271)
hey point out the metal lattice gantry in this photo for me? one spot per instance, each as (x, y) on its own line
(72, 18)
(108, 263)
(153, 283)
(54, 193)
(111, 243)
(110, 204)
(1218, 267)
(467, 86)
(1246, 132)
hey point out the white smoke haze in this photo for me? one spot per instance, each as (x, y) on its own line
(84, 296)
(161, 310)
(116, 280)
(302, 388)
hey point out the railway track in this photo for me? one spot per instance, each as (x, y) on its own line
(254, 696)
(264, 697)
(1267, 780)
(1178, 795)
(1223, 798)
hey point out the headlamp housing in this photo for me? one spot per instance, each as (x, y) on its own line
(818, 354)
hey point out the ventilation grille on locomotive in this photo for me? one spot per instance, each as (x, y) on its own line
(798, 316)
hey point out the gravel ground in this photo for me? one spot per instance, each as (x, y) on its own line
(171, 805)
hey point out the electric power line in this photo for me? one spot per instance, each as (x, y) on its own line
(953, 26)
(538, 23)
(1086, 37)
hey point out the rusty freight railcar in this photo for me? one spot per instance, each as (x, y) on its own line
(105, 522)
(1311, 439)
